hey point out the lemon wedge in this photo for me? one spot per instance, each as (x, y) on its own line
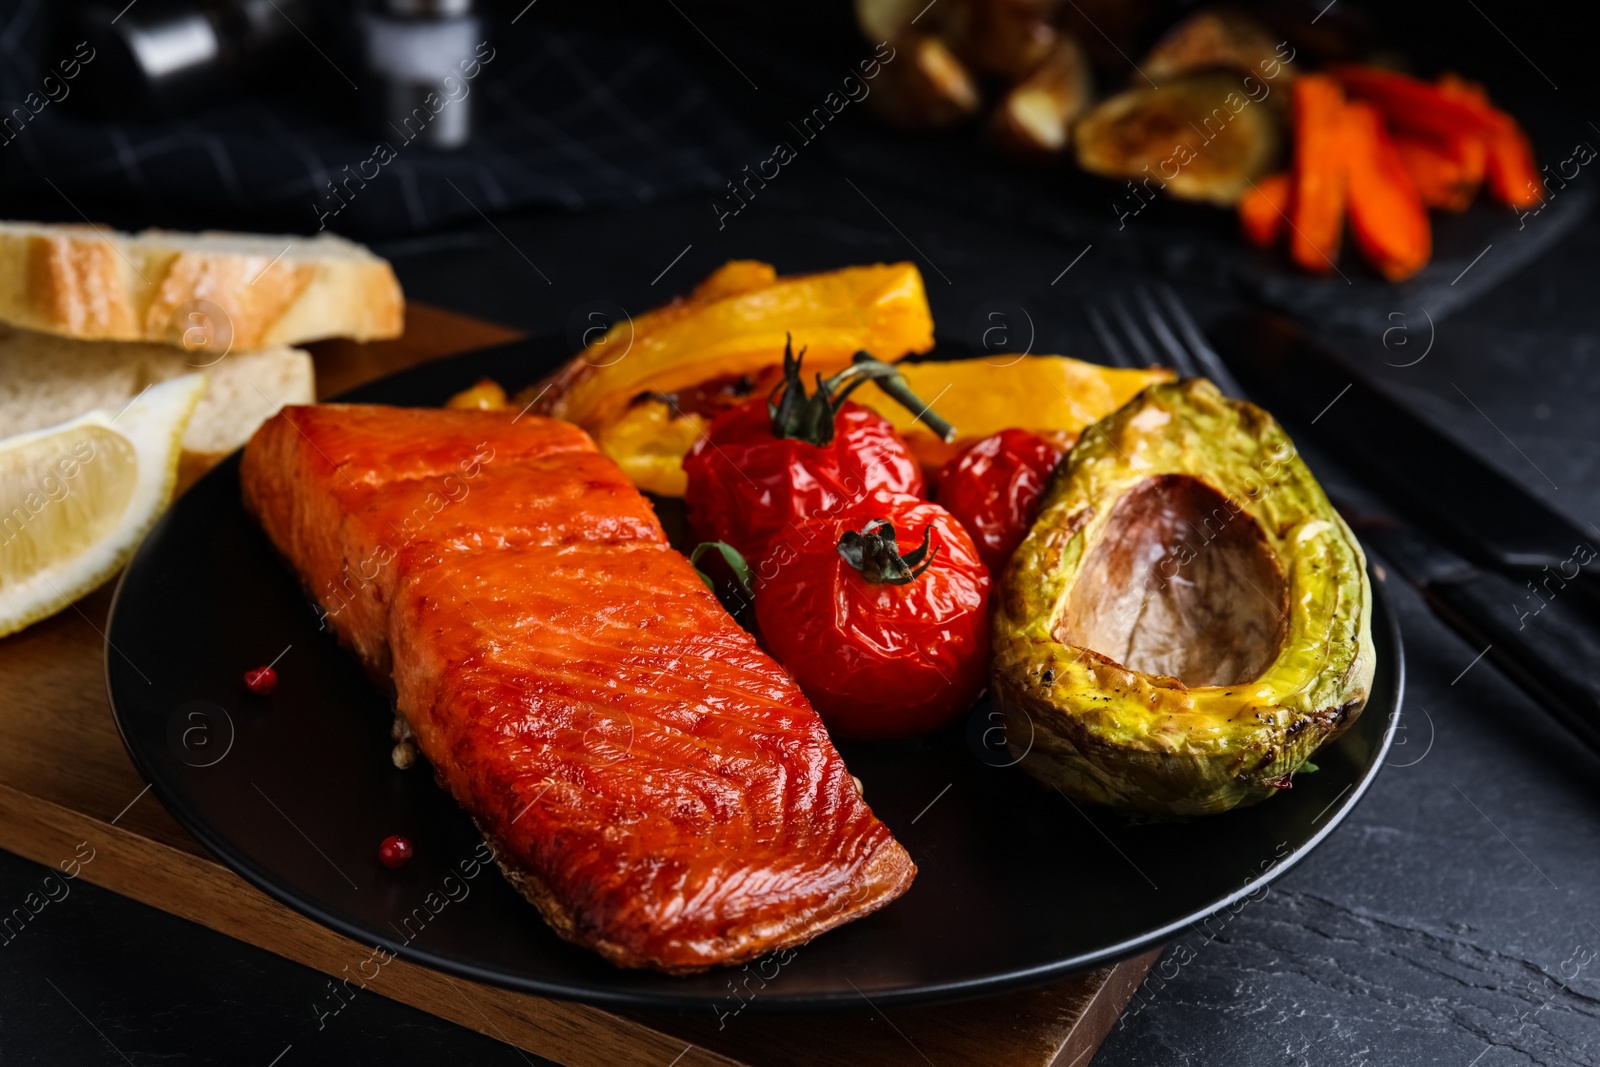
(76, 499)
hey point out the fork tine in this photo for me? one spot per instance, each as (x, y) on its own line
(1181, 360)
(1207, 356)
(1108, 340)
(1136, 336)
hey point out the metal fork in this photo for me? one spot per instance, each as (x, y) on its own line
(1169, 337)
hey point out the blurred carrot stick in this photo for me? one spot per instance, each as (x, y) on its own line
(1514, 178)
(1452, 110)
(1264, 209)
(1317, 213)
(1443, 177)
(1455, 87)
(1429, 116)
(1415, 104)
(1473, 155)
(1387, 216)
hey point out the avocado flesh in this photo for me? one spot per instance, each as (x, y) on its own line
(1188, 619)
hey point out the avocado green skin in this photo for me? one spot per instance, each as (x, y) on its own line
(1100, 732)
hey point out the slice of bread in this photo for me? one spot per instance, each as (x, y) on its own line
(46, 380)
(222, 290)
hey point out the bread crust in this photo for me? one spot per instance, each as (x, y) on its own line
(94, 284)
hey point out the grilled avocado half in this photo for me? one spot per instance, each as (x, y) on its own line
(1188, 619)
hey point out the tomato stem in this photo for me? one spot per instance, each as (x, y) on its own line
(736, 563)
(895, 385)
(874, 553)
(798, 416)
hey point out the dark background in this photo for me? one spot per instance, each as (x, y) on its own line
(1452, 920)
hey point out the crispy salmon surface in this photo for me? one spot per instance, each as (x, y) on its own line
(649, 778)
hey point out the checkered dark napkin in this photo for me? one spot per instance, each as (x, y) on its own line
(563, 118)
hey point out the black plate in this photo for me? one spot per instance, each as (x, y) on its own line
(1017, 885)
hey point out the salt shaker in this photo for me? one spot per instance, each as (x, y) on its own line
(421, 58)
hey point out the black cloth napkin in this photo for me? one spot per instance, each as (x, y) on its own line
(564, 119)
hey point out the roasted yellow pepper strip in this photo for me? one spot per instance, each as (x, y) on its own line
(735, 323)
(487, 395)
(1051, 395)
(649, 441)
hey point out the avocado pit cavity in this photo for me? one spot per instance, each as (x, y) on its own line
(1182, 583)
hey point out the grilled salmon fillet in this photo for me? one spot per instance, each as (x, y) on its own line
(648, 777)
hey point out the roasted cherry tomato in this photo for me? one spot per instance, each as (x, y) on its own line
(747, 487)
(994, 487)
(768, 466)
(881, 615)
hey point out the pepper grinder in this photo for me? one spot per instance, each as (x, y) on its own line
(167, 57)
(421, 57)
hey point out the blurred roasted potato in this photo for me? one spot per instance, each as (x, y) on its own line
(925, 86)
(1005, 38)
(1218, 39)
(1035, 118)
(1199, 138)
(885, 20)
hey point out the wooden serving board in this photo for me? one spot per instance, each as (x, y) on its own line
(65, 778)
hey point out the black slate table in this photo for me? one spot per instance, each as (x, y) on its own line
(1452, 920)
